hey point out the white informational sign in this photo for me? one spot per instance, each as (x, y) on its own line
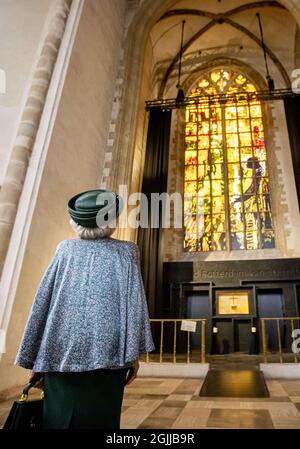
(187, 325)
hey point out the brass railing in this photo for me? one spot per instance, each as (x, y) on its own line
(283, 329)
(175, 322)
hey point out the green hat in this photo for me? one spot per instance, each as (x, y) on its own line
(94, 208)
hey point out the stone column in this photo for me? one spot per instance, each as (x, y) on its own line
(20, 156)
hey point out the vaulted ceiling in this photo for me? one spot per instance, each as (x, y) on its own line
(226, 29)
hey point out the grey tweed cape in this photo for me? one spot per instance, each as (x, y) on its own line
(90, 310)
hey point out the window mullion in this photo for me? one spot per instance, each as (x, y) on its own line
(226, 183)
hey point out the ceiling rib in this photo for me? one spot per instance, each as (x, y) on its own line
(222, 18)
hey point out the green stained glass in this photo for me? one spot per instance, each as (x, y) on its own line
(226, 169)
(216, 155)
(216, 171)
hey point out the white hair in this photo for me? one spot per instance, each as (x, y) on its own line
(91, 233)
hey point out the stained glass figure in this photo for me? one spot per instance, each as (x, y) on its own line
(227, 198)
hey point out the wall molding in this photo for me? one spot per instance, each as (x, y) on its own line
(17, 245)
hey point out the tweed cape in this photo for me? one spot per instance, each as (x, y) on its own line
(90, 310)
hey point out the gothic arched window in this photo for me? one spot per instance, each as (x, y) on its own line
(227, 199)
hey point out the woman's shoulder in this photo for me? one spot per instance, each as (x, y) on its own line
(120, 244)
(125, 244)
(125, 247)
(64, 244)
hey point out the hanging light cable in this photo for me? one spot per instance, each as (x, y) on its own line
(270, 80)
(180, 92)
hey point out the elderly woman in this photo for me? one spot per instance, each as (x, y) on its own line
(89, 321)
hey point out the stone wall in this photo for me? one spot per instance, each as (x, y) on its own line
(21, 29)
(75, 156)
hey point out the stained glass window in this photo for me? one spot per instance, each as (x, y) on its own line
(227, 199)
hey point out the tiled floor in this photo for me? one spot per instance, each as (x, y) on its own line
(175, 403)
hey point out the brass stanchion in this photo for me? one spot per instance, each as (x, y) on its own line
(264, 342)
(174, 345)
(202, 341)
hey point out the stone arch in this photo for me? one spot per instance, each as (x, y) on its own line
(235, 64)
(173, 246)
(222, 18)
(133, 62)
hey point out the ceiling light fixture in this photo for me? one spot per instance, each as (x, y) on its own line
(270, 80)
(180, 92)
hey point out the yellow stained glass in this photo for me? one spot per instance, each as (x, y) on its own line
(216, 171)
(216, 140)
(211, 91)
(216, 155)
(215, 76)
(234, 186)
(217, 188)
(225, 142)
(203, 114)
(191, 173)
(232, 90)
(203, 171)
(203, 142)
(232, 140)
(245, 139)
(240, 79)
(234, 171)
(233, 155)
(243, 111)
(231, 126)
(203, 128)
(230, 112)
(203, 157)
(191, 157)
(245, 153)
(203, 83)
(216, 127)
(190, 187)
(244, 125)
(249, 88)
(255, 110)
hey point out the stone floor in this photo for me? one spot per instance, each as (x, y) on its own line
(175, 403)
(153, 403)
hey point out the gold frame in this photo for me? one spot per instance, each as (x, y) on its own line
(239, 303)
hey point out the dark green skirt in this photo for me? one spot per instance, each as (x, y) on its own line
(89, 400)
